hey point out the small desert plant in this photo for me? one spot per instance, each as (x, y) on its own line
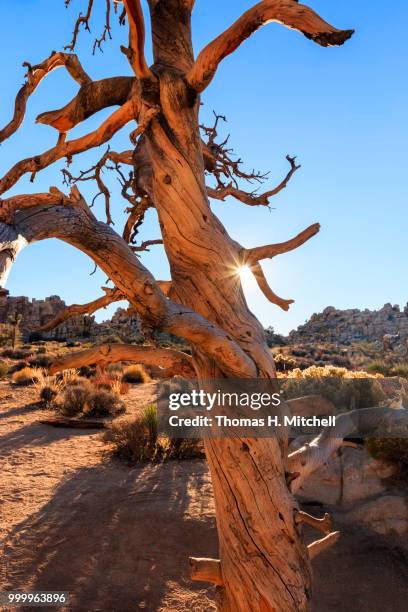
(105, 380)
(150, 420)
(86, 371)
(4, 369)
(379, 367)
(115, 369)
(130, 441)
(400, 369)
(103, 403)
(138, 440)
(75, 398)
(185, 448)
(135, 374)
(41, 350)
(284, 363)
(393, 450)
(40, 361)
(48, 387)
(26, 376)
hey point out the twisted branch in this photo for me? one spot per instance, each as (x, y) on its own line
(286, 12)
(111, 296)
(35, 74)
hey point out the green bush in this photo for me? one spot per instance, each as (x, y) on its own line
(379, 367)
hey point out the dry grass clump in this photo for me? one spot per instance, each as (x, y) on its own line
(135, 374)
(74, 398)
(347, 390)
(109, 381)
(48, 388)
(4, 369)
(26, 376)
(138, 440)
(103, 403)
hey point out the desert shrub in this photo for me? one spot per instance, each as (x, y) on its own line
(137, 440)
(40, 361)
(75, 398)
(393, 450)
(48, 387)
(26, 376)
(86, 371)
(135, 374)
(347, 390)
(105, 380)
(400, 369)
(284, 363)
(16, 367)
(41, 350)
(103, 403)
(4, 369)
(16, 353)
(130, 441)
(185, 448)
(379, 367)
(150, 419)
(72, 344)
(115, 369)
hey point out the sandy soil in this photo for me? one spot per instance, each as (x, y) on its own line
(118, 538)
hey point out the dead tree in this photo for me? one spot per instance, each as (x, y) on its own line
(264, 564)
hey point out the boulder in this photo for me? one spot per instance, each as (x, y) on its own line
(347, 479)
(386, 515)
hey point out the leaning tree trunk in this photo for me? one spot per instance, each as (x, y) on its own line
(264, 562)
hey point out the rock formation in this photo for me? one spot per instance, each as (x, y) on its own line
(346, 326)
(36, 313)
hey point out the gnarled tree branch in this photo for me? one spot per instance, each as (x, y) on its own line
(135, 53)
(286, 12)
(253, 198)
(171, 361)
(260, 278)
(111, 296)
(252, 256)
(76, 225)
(35, 74)
(118, 119)
(92, 97)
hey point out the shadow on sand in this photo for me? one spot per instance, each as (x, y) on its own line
(114, 537)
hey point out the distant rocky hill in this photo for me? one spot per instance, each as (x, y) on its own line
(346, 326)
(36, 313)
(331, 325)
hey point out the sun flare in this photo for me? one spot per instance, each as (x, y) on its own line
(244, 272)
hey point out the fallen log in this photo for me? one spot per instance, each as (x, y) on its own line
(73, 423)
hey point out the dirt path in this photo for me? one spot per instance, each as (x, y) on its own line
(118, 538)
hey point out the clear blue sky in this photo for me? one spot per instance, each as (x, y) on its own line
(342, 111)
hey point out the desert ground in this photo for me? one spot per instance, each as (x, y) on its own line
(118, 537)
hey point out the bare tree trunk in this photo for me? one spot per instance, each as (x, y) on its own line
(264, 563)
